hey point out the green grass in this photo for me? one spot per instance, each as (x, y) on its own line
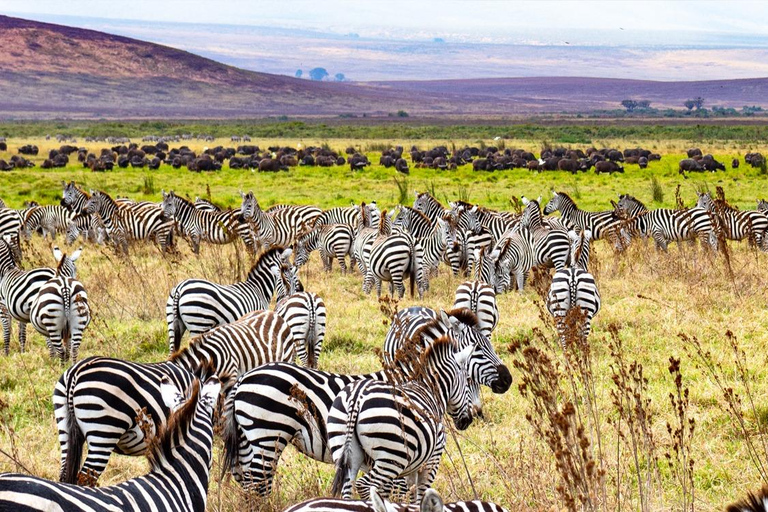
(651, 297)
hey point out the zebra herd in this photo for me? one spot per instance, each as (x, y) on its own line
(240, 361)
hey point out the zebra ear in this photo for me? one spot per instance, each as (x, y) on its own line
(463, 355)
(76, 254)
(539, 200)
(57, 253)
(524, 200)
(286, 254)
(172, 397)
(431, 502)
(377, 502)
(211, 389)
(587, 235)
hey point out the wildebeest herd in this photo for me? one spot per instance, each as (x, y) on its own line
(389, 424)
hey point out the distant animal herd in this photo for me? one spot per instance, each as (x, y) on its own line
(240, 361)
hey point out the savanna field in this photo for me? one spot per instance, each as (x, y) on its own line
(644, 448)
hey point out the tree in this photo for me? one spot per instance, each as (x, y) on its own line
(318, 74)
(689, 104)
(339, 77)
(298, 73)
(402, 113)
(630, 105)
(698, 102)
(643, 104)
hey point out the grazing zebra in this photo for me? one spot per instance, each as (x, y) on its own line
(431, 502)
(429, 206)
(333, 240)
(203, 225)
(91, 227)
(297, 399)
(353, 216)
(736, 224)
(574, 287)
(425, 325)
(198, 305)
(414, 222)
(666, 225)
(180, 462)
(486, 266)
(304, 312)
(602, 224)
(10, 222)
(279, 227)
(47, 219)
(752, 503)
(391, 259)
(113, 217)
(206, 205)
(97, 403)
(397, 430)
(480, 298)
(18, 288)
(60, 310)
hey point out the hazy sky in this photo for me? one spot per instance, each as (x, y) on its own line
(466, 20)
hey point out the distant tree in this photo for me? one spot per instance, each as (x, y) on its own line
(689, 104)
(339, 77)
(630, 105)
(318, 74)
(698, 102)
(750, 111)
(643, 105)
(298, 73)
(402, 113)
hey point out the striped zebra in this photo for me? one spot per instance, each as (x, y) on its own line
(391, 259)
(11, 222)
(435, 246)
(332, 240)
(353, 216)
(762, 206)
(480, 298)
(429, 206)
(486, 268)
(737, 224)
(425, 325)
(206, 226)
(198, 305)
(48, 220)
(60, 310)
(413, 222)
(603, 224)
(574, 288)
(522, 249)
(105, 207)
(279, 227)
(73, 198)
(361, 247)
(91, 227)
(96, 403)
(304, 312)
(297, 399)
(180, 462)
(666, 225)
(396, 430)
(18, 288)
(431, 502)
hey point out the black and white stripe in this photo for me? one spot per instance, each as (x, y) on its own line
(396, 430)
(47, 220)
(602, 224)
(180, 462)
(736, 224)
(198, 305)
(391, 259)
(332, 240)
(431, 502)
(305, 313)
(60, 310)
(280, 226)
(91, 227)
(480, 298)
(11, 222)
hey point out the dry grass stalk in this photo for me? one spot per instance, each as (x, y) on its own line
(679, 458)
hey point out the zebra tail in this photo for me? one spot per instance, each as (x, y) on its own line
(176, 325)
(412, 271)
(230, 434)
(311, 342)
(342, 465)
(75, 437)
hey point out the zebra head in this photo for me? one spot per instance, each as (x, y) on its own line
(531, 214)
(484, 366)
(705, 201)
(93, 204)
(169, 204)
(762, 205)
(287, 280)
(69, 195)
(301, 252)
(248, 206)
(10, 252)
(553, 204)
(66, 264)
(446, 367)
(72, 233)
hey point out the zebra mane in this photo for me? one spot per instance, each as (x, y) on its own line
(417, 213)
(754, 502)
(161, 446)
(463, 315)
(430, 198)
(385, 224)
(79, 190)
(182, 199)
(265, 256)
(567, 198)
(632, 199)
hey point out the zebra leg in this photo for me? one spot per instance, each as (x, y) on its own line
(396, 284)
(5, 319)
(426, 476)
(261, 470)
(661, 242)
(340, 257)
(74, 344)
(381, 476)
(368, 282)
(22, 336)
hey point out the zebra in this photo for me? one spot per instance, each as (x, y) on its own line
(603, 224)
(754, 502)
(11, 222)
(391, 259)
(73, 197)
(47, 219)
(666, 225)
(435, 246)
(431, 502)
(114, 219)
(352, 216)
(180, 462)
(206, 205)
(361, 247)
(198, 305)
(333, 240)
(736, 224)
(574, 287)
(305, 313)
(483, 365)
(200, 225)
(279, 227)
(762, 206)
(369, 417)
(480, 298)
(97, 402)
(429, 206)
(486, 264)
(91, 227)
(414, 223)
(60, 310)
(18, 288)
(297, 399)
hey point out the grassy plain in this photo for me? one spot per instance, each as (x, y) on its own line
(648, 296)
